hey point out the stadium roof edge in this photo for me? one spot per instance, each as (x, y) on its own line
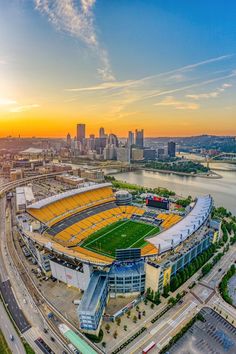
(179, 232)
(70, 193)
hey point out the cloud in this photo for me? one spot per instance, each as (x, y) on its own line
(24, 108)
(78, 21)
(12, 105)
(103, 86)
(7, 102)
(175, 75)
(226, 85)
(190, 67)
(212, 94)
(119, 96)
(177, 104)
(2, 62)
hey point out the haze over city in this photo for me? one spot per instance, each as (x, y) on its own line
(117, 64)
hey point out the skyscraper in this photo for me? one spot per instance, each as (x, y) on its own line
(112, 140)
(80, 132)
(171, 149)
(101, 132)
(139, 137)
(91, 142)
(130, 138)
(68, 140)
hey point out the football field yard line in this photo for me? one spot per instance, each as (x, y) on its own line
(108, 232)
(143, 237)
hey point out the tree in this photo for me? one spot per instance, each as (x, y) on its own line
(206, 268)
(152, 306)
(137, 308)
(128, 313)
(115, 334)
(125, 327)
(166, 290)
(107, 327)
(187, 272)
(174, 284)
(181, 274)
(135, 319)
(185, 276)
(171, 300)
(144, 313)
(104, 344)
(118, 321)
(196, 264)
(179, 280)
(178, 296)
(148, 291)
(191, 269)
(157, 297)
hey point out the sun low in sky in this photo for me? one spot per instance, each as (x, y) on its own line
(166, 66)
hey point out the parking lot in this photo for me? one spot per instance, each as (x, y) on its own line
(214, 336)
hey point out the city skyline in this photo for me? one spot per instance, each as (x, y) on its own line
(67, 61)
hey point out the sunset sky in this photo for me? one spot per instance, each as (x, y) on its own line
(166, 66)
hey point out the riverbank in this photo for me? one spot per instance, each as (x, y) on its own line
(222, 189)
(213, 175)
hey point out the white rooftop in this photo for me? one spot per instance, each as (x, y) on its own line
(32, 150)
(70, 193)
(24, 195)
(179, 232)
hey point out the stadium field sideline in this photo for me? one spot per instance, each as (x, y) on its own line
(121, 234)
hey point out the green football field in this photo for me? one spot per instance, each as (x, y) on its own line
(121, 234)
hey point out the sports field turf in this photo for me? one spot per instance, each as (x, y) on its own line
(121, 234)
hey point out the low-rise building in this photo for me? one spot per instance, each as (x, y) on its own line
(123, 154)
(137, 154)
(24, 197)
(70, 179)
(93, 175)
(16, 174)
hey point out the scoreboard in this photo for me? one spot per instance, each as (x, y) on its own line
(128, 254)
(158, 202)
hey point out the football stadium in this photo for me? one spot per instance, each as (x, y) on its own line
(95, 239)
(89, 224)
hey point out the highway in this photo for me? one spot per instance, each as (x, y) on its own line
(8, 329)
(20, 299)
(6, 325)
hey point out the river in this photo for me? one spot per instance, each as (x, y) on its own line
(223, 190)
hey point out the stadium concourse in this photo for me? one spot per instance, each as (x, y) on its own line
(90, 239)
